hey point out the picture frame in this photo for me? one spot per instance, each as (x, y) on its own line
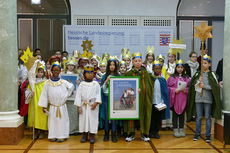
(124, 98)
(72, 78)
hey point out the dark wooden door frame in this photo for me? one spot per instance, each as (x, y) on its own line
(210, 20)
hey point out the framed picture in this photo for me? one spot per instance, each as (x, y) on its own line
(71, 78)
(124, 98)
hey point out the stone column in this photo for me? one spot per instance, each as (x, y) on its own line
(222, 126)
(226, 64)
(10, 121)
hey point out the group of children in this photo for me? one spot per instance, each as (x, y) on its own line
(160, 84)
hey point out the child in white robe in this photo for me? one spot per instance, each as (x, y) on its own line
(87, 99)
(55, 92)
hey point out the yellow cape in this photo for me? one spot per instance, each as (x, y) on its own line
(164, 72)
(40, 118)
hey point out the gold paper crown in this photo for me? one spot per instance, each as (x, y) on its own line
(116, 58)
(150, 50)
(180, 62)
(206, 57)
(40, 66)
(160, 57)
(103, 62)
(137, 55)
(173, 51)
(28, 58)
(105, 55)
(86, 55)
(71, 62)
(176, 50)
(89, 68)
(65, 63)
(96, 57)
(156, 62)
(56, 64)
(123, 63)
(112, 58)
(76, 54)
(124, 50)
(125, 53)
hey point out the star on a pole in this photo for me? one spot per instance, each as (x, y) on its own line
(28, 58)
(203, 31)
(87, 45)
(175, 41)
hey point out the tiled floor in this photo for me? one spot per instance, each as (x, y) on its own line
(166, 144)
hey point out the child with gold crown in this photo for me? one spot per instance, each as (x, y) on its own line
(167, 71)
(126, 56)
(55, 92)
(204, 98)
(87, 99)
(178, 90)
(111, 70)
(84, 59)
(123, 68)
(150, 57)
(169, 68)
(70, 69)
(102, 70)
(40, 119)
(36, 117)
(146, 94)
(94, 60)
(160, 102)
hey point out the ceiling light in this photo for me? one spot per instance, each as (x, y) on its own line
(35, 1)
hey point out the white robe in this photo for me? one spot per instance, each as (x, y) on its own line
(130, 66)
(171, 68)
(56, 93)
(89, 92)
(149, 67)
(22, 73)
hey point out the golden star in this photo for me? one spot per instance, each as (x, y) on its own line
(87, 45)
(175, 41)
(26, 55)
(28, 58)
(203, 31)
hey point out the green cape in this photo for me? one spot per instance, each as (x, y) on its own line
(146, 97)
(216, 104)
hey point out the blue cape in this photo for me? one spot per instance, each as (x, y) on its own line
(165, 96)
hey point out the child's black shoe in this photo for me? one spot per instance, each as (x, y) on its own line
(208, 139)
(106, 136)
(196, 137)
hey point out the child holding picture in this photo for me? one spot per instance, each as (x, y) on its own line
(146, 94)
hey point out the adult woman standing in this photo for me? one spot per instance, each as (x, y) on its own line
(191, 66)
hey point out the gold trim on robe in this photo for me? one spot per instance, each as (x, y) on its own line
(55, 83)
